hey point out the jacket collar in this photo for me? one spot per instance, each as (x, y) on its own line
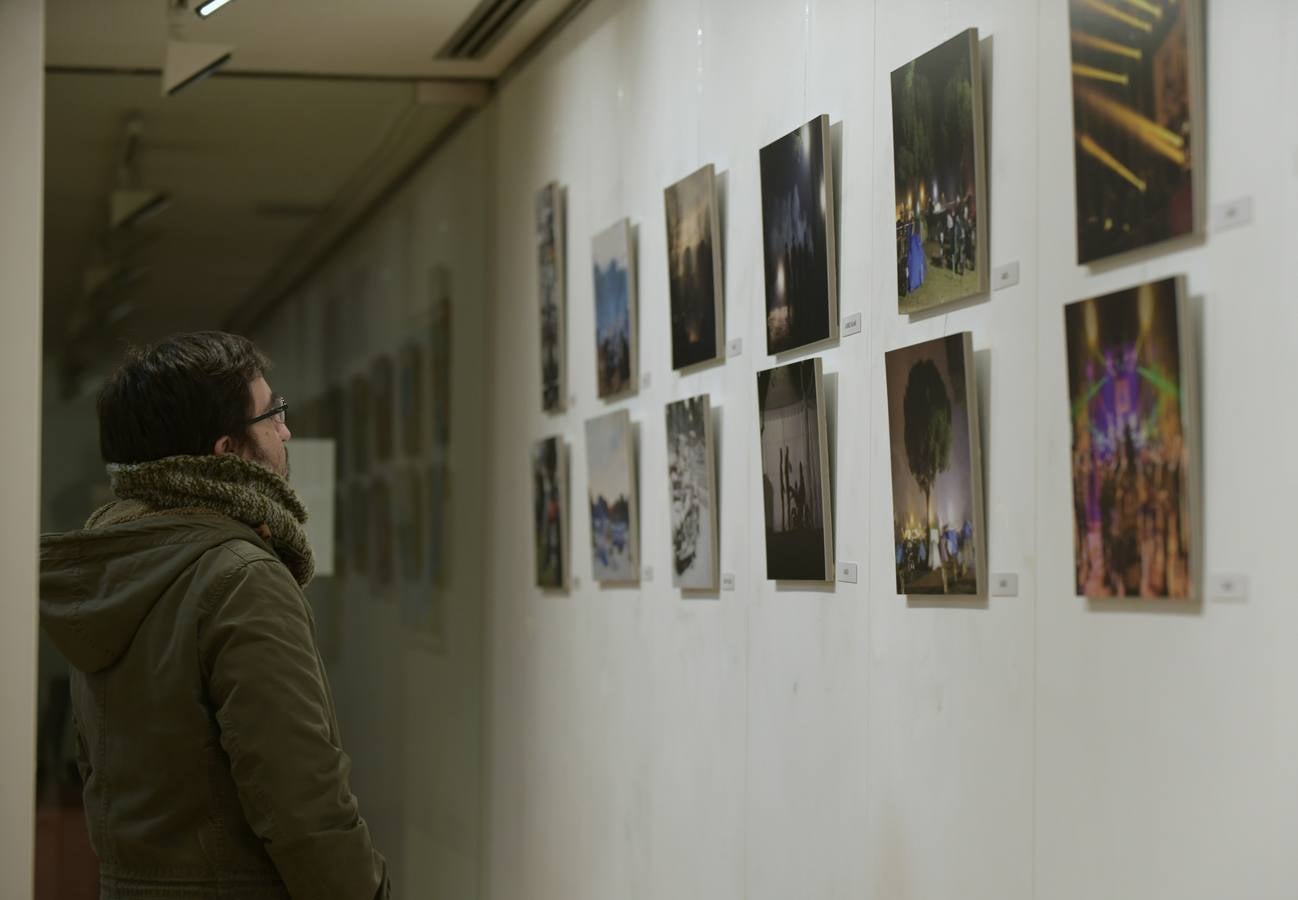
(229, 485)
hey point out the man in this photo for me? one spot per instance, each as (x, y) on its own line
(208, 743)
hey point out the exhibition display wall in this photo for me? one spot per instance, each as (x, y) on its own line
(881, 732)
(779, 740)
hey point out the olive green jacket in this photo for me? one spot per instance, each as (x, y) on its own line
(209, 746)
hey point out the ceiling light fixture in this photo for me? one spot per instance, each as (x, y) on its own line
(210, 6)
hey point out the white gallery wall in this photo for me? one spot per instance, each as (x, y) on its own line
(22, 94)
(769, 742)
(772, 743)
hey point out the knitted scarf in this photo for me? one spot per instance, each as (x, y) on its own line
(229, 485)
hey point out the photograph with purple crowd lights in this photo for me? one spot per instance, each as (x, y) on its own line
(1130, 380)
(797, 176)
(939, 541)
(1137, 123)
(939, 178)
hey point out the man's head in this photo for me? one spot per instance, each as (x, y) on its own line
(193, 394)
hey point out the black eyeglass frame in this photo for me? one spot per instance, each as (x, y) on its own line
(279, 412)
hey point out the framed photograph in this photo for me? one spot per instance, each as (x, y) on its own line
(695, 270)
(691, 476)
(611, 490)
(423, 602)
(361, 401)
(938, 525)
(341, 549)
(381, 393)
(798, 238)
(381, 549)
(795, 473)
(939, 169)
(439, 357)
(615, 311)
(437, 486)
(408, 503)
(1133, 407)
(1137, 124)
(358, 526)
(550, 275)
(333, 417)
(550, 512)
(410, 398)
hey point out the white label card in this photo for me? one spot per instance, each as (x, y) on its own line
(1004, 584)
(1005, 276)
(852, 325)
(1228, 587)
(847, 572)
(1236, 213)
(735, 347)
(728, 581)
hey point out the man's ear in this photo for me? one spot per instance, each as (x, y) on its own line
(223, 446)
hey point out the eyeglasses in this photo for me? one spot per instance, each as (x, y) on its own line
(276, 412)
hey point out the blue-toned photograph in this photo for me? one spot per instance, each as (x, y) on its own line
(610, 465)
(615, 302)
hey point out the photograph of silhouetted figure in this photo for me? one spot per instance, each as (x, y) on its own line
(795, 473)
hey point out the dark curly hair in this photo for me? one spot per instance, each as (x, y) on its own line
(178, 397)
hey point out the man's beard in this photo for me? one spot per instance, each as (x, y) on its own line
(255, 454)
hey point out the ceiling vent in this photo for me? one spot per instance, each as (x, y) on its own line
(486, 25)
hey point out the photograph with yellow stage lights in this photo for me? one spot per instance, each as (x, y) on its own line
(1130, 383)
(938, 171)
(1136, 120)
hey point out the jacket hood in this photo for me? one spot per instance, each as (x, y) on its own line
(98, 585)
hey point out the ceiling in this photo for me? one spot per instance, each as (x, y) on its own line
(324, 105)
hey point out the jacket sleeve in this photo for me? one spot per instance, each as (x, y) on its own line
(267, 686)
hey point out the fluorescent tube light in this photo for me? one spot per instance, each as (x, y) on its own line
(210, 6)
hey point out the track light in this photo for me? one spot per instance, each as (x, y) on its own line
(210, 6)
